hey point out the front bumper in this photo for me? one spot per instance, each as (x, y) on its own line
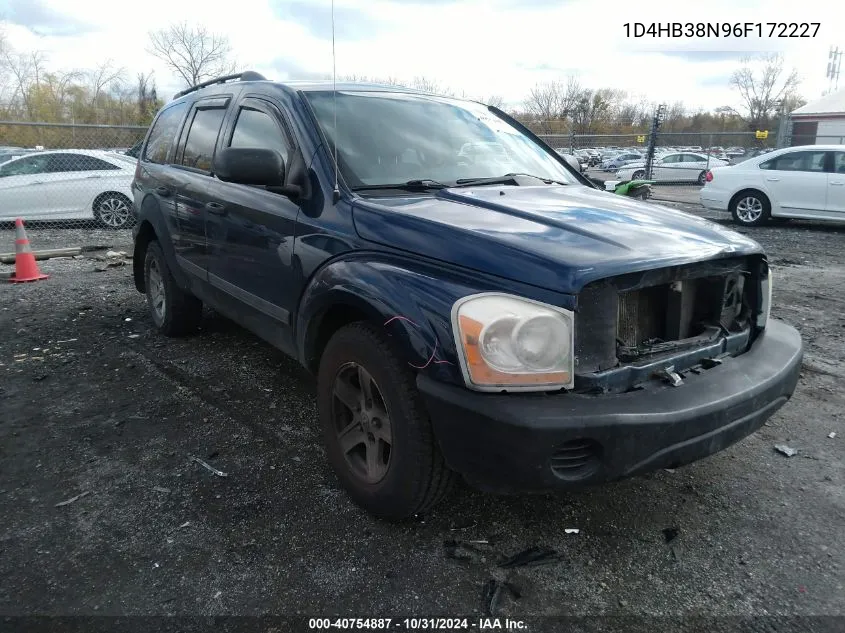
(534, 442)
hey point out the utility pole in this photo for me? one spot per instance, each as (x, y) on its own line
(834, 61)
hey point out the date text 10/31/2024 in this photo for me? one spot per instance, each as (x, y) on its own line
(721, 29)
(418, 624)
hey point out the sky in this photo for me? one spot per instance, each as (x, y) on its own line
(477, 47)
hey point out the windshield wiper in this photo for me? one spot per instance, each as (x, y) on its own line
(423, 184)
(501, 180)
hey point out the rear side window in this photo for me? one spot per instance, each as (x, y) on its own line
(202, 138)
(78, 162)
(163, 134)
(797, 161)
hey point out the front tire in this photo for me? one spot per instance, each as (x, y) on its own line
(113, 210)
(750, 208)
(377, 433)
(638, 175)
(174, 311)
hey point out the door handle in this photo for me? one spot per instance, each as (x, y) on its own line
(163, 191)
(770, 179)
(216, 208)
(94, 176)
(837, 182)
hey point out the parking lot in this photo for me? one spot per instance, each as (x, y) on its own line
(105, 513)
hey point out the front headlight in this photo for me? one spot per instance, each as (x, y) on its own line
(507, 343)
(766, 304)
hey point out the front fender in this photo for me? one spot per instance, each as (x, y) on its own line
(412, 302)
(410, 297)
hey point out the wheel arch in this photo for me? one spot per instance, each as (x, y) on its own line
(414, 307)
(749, 190)
(151, 225)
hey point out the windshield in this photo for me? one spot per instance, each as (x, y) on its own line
(389, 138)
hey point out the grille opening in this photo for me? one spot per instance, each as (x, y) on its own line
(654, 319)
(576, 459)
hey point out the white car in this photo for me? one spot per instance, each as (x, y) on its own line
(675, 167)
(68, 185)
(621, 159)
(795, 182)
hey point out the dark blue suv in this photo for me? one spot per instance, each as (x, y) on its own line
(469, 304)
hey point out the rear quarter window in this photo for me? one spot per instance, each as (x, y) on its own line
(163, 135)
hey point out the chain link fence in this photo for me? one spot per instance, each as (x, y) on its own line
(681, 159)
(69, 183)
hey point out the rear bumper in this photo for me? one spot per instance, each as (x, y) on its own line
(541, 442)
(714, 200)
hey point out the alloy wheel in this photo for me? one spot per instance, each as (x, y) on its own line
(749, 209)
(157, 294)
(362, 423)
(114, 212)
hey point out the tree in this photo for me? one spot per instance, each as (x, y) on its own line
(148, 101)
(193, 53)
(763, 83)
(101, 77)
(497, 101)
(430, 85)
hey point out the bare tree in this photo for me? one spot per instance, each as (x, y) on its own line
(555, 101)
(193, 53)
(497, 101)
(102, 77)
(430, 85)
(26, 71)
(147, 97)
(385, 81)
(763, 83)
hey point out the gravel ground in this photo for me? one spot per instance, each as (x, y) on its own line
(98, 411)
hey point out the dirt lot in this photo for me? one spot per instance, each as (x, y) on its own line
(96, 407)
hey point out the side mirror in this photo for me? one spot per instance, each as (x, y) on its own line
(250, 166)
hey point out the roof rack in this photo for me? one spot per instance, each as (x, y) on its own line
(247, 75)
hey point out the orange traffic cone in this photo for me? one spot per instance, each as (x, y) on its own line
(26, 269)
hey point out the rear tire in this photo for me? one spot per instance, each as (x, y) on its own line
(383, 448)
(638, 175)
(702, 178)
(113, 210)
(174, 311)
(750, 208)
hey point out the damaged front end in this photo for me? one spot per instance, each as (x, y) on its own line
(660, 325)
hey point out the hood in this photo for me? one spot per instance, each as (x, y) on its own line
(554, 237)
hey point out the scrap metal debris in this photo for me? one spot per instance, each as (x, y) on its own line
(493, 592)
(465, 526)
(571, 530)
(786, 450)
(209, 467)
(832, 434)
(531, 557)
(464, 550)
(67, 502)
(160, 489)
(452, 550)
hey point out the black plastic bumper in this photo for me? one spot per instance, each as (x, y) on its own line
(543, 442)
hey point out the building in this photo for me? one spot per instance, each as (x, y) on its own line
(821, 122)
